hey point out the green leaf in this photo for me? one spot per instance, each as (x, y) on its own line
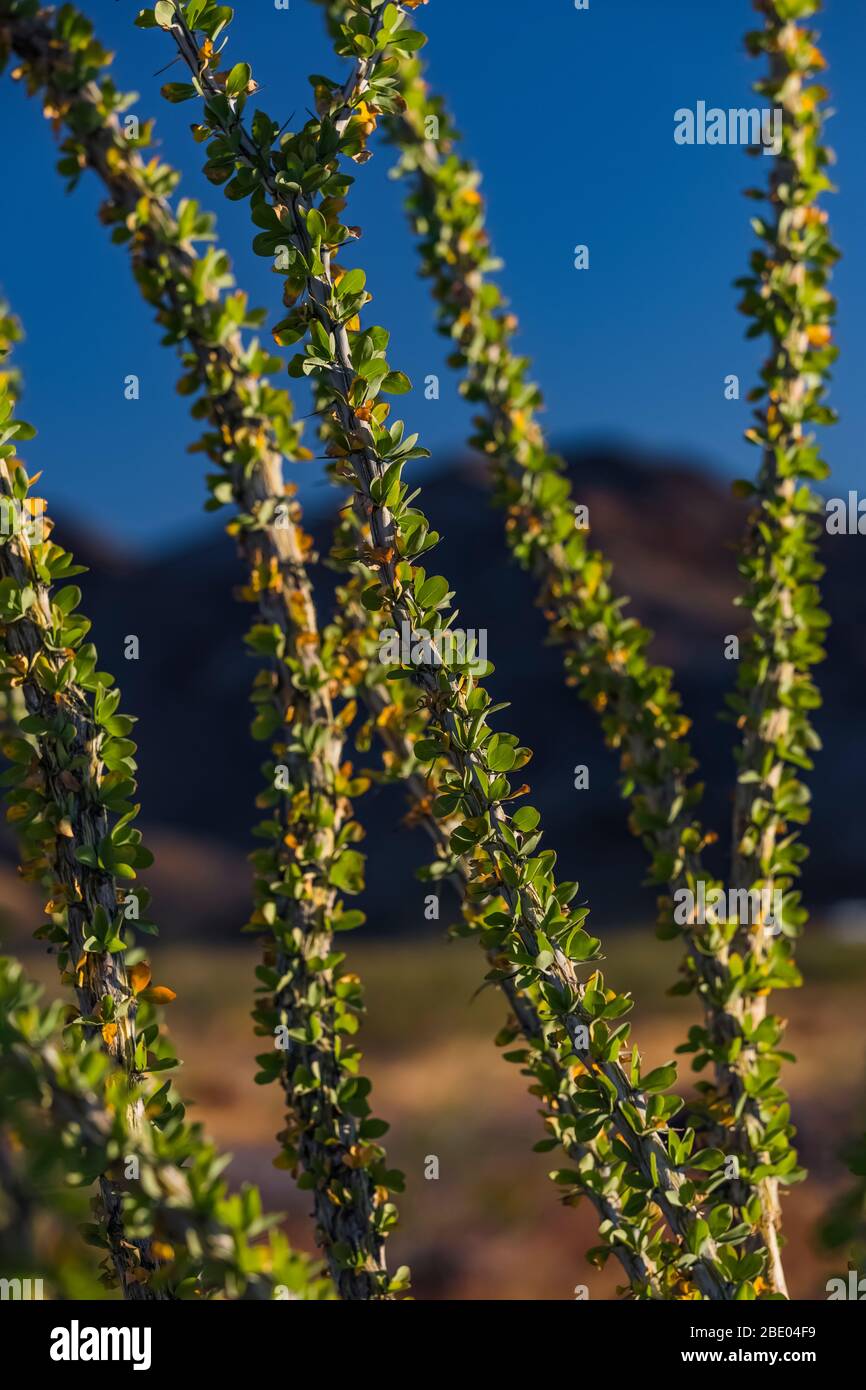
(238, 79)
(396, 384)
(348, 921)
(373, 599)
(659, 1078)
(463, 839)
(400, 1280)
(374, 1129)
(408, 40)
(720, 1219)
(432, 591)
(347, 872)
(352, 282)
(316, 224)
(708, 1160)
(178, 91)
(579, 945)
(263, 132)
(426, 749)
(499, 754)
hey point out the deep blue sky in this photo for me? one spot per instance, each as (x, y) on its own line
(570, 115)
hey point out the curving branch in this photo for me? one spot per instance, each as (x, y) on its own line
(629, 1227)
(787, 299)
(308, 1004)
(68, 793)
(605, 657)
(71, 1112)
(535, 926)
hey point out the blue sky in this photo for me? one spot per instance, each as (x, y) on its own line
(570, 116)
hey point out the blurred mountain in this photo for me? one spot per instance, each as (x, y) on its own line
(669, 530)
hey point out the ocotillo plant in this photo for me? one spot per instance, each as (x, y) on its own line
(69, 1109)
(605, 651)
(686, 1194)
(355, 373)
(310, 831)
(68, 793)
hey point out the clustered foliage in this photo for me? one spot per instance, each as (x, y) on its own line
(686, 1196)
(70, 1110)
(69, 790)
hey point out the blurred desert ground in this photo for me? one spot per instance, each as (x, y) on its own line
(492, 1225)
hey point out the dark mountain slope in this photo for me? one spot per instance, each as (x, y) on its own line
(670, 533)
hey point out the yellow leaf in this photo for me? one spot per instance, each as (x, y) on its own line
(819, 334)
(360, 1155)
(368, 116)
(158, 994)
(385, 715)
(109, 1033)
(139, 977)
(346, 715)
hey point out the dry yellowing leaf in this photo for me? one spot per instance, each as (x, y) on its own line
(158, 994)
(139, 977)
